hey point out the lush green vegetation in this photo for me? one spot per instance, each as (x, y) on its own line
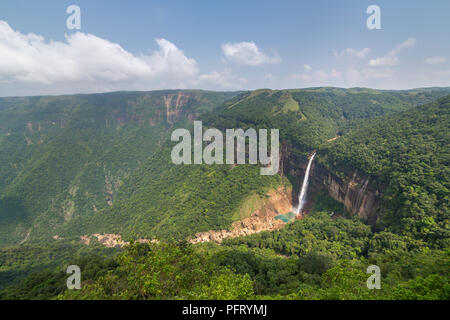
(166, 201)
(85, 164)
(408, 155)
(18, 262)
(318, 257)
(308, 117)
(166, 271)
(63, 157)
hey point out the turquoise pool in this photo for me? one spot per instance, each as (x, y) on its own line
(287, 217)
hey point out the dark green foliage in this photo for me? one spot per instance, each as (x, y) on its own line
(433, 287)
(329, 262)
(323, 202)
(48, 284)
(49, 257)
(37, 286)
(66, 156)
(166, 201)
(84, 164)
(320, 257)
(407, 154)
(165, 271)
(339, 238)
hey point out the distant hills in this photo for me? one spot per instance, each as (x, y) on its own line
(66, 156)
(99, 163)
(81, 164)
(78, 165)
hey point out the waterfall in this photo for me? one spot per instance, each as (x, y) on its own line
(302, 196)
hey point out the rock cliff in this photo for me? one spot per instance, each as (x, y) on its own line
(174, 104)
(358, 194)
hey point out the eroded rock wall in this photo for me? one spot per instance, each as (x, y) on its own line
(356, 192)
(359, 195)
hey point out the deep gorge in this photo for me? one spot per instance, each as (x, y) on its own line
(358, 195)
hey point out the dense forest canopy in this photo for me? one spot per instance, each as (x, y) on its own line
(84, 164)
(65, 156)
(408, 154)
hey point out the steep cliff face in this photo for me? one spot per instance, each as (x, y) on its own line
(174, 106)
(356, 192)
(358, 195)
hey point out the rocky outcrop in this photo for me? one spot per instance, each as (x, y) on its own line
(357, 194)
(111, 240)
(174, 104)
(111, 186)
(27, 236)
(263, 219)
(85, 239)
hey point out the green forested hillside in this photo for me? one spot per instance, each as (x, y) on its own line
(48, 257)
(165, 201)
(308, 117)
(62, 157)
(408, 154)
(320, 257)
(96, 166)
(317, 257)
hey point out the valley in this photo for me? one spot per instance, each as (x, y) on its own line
(92, 175)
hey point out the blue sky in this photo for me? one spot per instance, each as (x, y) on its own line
(221, 45)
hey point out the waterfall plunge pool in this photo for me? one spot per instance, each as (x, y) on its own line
(287, 217)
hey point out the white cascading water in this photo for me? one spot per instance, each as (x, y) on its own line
(302, 196)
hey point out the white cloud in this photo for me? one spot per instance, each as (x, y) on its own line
(408, 43)
(384, 62)
(307, 67)
(349, 77)
(269, 77)
(247, 53)
(86, 62)
(391, 58)
(443, 73)
(317, 77)
(435, 60)
(377, 73)
(352, 53)
(366, 77)
(224, 79)
(367, 74)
